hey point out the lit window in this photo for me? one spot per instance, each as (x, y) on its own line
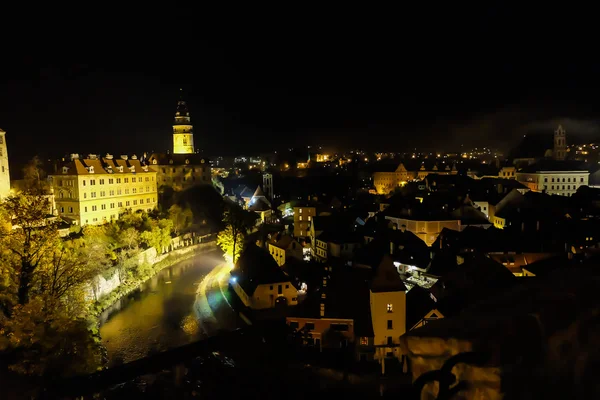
(364, 341)
(390, 308)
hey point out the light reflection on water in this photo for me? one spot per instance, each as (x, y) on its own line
(158, 316)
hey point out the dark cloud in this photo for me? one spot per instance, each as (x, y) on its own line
(505, 127)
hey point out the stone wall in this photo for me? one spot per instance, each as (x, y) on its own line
(539, 340)
(181, 245)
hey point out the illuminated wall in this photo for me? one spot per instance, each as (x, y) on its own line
(183, 132)
(427, 231)
(562, 183)
(388, 315)
(266, 295)
(181, 175)
(302, 220)
(4, 171)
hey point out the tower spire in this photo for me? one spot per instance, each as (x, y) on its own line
(183, 133)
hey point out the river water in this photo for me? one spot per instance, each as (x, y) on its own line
(183, 304)
(161, 314)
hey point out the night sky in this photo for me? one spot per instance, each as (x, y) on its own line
(379, 80)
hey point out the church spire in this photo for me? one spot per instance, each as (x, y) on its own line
(183, 134)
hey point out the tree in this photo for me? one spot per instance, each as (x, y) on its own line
(43, 340)
(218, 185)
(237, 223)
(166, 198)
(130, 219)
(159, 236)
(69, 268)
(31, 239)
(230, 246)
(43, 328)
(129, 238)
(182, 218)
(206, 204)
(35, 177)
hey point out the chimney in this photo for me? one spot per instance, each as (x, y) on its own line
(74, 156)
(134, 157)
(92, 156)
(391, 247)
(124, 157)
(522, 226)
(108, 156)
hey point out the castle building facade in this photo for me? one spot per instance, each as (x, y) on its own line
(96, 190)
(184, 167)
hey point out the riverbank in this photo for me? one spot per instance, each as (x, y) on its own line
(161, 262)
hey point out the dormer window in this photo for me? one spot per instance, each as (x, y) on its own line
(145, 168)
(154, 161)
(65, 170)
(91, 170)
(120, 168)
(132, 169)
(202, 161)
(187, 161)
(170, 161)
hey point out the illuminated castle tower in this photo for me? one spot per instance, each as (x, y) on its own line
(183, 133)
(4, 174)
(560, 143)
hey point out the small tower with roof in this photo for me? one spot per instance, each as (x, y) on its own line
(183, 131)
(4, 172)
(560, 144)
(388, 308)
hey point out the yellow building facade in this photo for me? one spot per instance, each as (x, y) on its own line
(302, 220)
(96, 190)
(388, 309)
(386, 182)
(267, 295)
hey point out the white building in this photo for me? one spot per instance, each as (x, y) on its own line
(4, 172)
(562, 178)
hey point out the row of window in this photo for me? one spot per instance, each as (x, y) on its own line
(581, 180)
(176, 179)
(112, 181)
(558, 187)
(119, 192)
(111, 193)
(119, 204)
(184, 170)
